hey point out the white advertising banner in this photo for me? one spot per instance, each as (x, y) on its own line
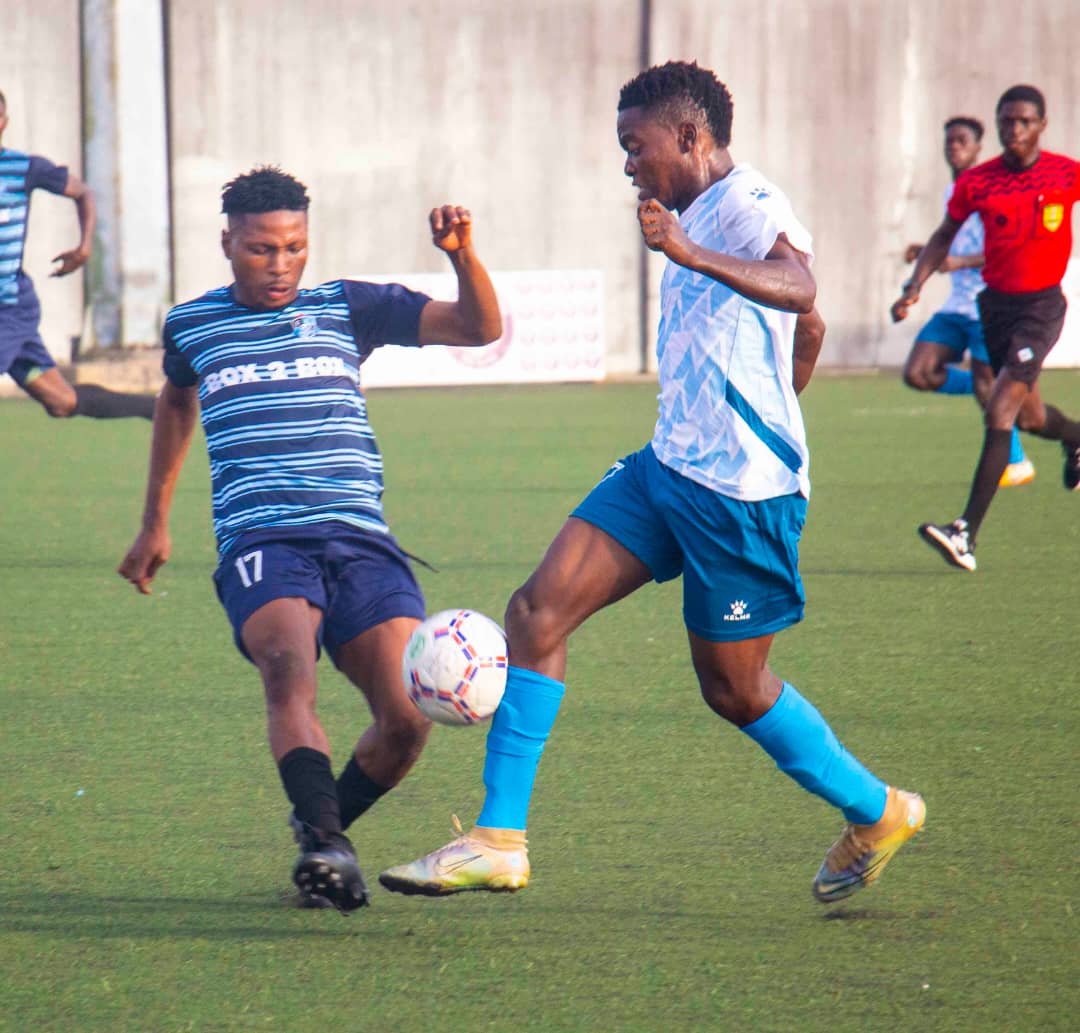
(1067, 351)
(553, 330)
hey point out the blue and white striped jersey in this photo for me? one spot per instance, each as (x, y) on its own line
(286, 422)
(966, 283)
(729, 417)
(20, 174)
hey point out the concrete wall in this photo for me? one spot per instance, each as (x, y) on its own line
(388, 107)
(40, 78)
(841, 103)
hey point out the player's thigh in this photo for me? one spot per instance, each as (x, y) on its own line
(372, 662)
(281, 639)
(927, 358)
(253, 576)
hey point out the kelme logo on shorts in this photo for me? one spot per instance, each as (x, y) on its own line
(738, 612)
(1053, 217)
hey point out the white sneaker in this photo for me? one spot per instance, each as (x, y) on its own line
(952, 541)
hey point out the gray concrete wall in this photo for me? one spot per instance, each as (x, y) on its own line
(841, 103)
(40, 78)
(387, 109)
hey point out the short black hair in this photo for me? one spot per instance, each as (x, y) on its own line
(264, 189)
(966, 120)
(681, 85)
(1024, 93)
(3, 100)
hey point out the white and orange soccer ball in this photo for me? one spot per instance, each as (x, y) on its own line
(455, 667)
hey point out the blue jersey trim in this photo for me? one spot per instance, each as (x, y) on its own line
(776, 444)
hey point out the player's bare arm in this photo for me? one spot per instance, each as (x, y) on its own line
(474, 319)
(86, 210)
(933, 254)
(174, 424)
(781, 280)
(809, 333)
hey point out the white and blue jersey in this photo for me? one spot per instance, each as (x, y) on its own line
(286, 422)
(966, 283)
(729, 417)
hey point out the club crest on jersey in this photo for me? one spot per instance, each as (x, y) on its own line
(1053, 215)
(305, 327)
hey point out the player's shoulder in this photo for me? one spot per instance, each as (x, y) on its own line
(1060, 164)
(747, 185)
(8, 154)
(210, 305)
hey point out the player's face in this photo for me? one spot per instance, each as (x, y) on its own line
(1019, 125)
(655, 161)
(961, 147)
(268, 253)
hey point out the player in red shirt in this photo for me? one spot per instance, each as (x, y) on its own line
(1025, 199)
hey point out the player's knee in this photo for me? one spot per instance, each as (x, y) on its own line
(531, 628)
(731, 701)
(286, 677)
(60, 408)
(915, 377)
(405, 736)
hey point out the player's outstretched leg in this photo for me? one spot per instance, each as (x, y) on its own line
(880, 818)
(494, 855)
(326, 872)
(857, 858)
(495, 860)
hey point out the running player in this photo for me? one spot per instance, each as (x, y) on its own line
(1025, 198)
(954, 329)
(718, 496)
(306, 557)
(22, 352)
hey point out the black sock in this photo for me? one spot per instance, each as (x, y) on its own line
(103, 404)
(992, 463)
(356, 792)
(309, 784)
(1058, 427)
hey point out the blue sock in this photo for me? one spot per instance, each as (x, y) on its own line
(1016, 450)
(519, 731)
(805, 748)
(957, 382)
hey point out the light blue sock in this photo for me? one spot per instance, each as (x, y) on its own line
(957, 382)
(806, 749)
(519, 732)
(1016, 450)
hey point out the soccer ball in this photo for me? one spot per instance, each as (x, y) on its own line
(455, 667)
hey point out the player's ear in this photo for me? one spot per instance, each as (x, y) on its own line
(226, 244)
(688, 136)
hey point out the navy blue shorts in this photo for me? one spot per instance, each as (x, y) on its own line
(957, 333)
(739, 560)
(22, 351)
(357, 579)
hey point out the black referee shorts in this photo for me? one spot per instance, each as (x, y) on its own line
(1020, 329)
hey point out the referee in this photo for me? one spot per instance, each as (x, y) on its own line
(1025, 198)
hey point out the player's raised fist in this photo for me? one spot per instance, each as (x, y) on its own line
(661, 231)
(451, 227)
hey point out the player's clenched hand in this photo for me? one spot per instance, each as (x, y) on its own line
(145, 558)
(661, 230)
(451, 227)
(899, 310)
(70, 261)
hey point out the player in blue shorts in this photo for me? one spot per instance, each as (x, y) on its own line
(955, 329)
(718, 496)
(23, 355)
(306, 557)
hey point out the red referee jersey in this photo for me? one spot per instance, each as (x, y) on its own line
(1027, 218)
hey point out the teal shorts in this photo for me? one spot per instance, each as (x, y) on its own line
(739, 560)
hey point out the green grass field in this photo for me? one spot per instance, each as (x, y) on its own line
(146, 854)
